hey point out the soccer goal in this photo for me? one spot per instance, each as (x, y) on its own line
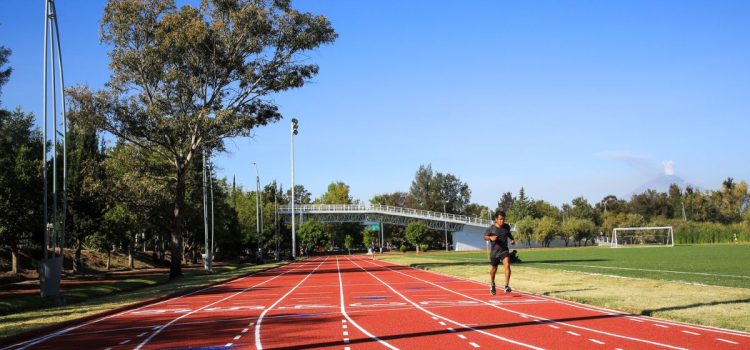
(642, 237)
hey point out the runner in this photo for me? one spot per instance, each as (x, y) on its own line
(498, 234)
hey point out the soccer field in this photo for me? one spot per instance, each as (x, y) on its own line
(717, 264)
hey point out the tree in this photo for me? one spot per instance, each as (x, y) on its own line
(20, 182)
(4, 73)
(506, 202)
(582, 209)
(183, 80)
(433, 190)
(313, 235)
(546, 230)
(415, 232)
(85, 191)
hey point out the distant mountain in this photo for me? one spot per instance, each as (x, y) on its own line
(662, 183)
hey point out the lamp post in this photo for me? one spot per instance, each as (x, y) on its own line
(294, 237)
(445, 225)
(257, 210)
(207, 255)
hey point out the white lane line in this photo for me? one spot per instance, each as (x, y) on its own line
(442, 323)
(108, 349)
(634, 319)
(228, 345)
(346, 333)
(689, 332)
(245, 330)
(343, 326)
(125, 342)
(465, 326)
(163, 327)
(259, 321)
(520, 313)
(727, 341)
(237, 337)
(462, 336)
(573, 333)
(473, 344)
(343, 312)
(140, 335)
(597, 341)
(553, 326)
(660, 325)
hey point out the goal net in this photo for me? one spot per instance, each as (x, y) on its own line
(642, 237)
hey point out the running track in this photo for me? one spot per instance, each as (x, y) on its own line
(354, 302)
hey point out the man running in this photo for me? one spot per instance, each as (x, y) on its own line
(498, 234)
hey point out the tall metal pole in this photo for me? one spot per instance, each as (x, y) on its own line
(211, 186)
(257, 210)
(207, 256)
(445, 225)
(276, 218)
(294, 236)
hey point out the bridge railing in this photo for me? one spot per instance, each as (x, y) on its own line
(361, 208)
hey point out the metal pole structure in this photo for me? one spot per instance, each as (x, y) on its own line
(380, 225)
(257, 210)
(445, 225)
(206, 256)
(294, 236)
(276, 219)
(54, 227)
(211, 186)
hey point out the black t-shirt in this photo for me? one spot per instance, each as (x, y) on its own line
(501, 243)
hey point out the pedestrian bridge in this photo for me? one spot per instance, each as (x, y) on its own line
(468, 232)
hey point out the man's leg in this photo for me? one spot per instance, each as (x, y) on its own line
(493, 270)
(506, 268)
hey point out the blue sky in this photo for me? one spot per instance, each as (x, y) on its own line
(565, 98)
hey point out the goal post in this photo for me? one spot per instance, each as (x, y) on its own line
(643, 237)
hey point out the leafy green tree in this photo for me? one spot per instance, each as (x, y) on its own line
(525, 230)
(183, 80)
(610, 203)
(415, 233)
(395, 199)
(476, 210)
(4, 73)
(433, 190)
(583, 210)
(578, 229)
(313, 235)
(86, 188)
(540, 209)
(20, 182)
(547, 228)
(506, 202)
(522, 207)
(348, 243)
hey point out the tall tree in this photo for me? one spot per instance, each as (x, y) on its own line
(433, 190)
(183, 80)
(20, 181)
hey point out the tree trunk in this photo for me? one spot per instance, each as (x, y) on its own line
(77, 261)
(109, 258)
(175, 268)
(14, 254)
(131, 264)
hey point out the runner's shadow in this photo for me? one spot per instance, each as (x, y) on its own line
(689, 306)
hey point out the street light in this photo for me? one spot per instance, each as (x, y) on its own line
(445, 225)
(294, 238)
(257, 210)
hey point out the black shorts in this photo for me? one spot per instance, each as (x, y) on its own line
(494, 261)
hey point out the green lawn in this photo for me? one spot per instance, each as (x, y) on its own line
(720, 264)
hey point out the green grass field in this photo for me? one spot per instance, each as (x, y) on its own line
(719, 265)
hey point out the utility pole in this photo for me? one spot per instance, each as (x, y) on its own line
(257, 210)
(445, 225)
(294, 237)
(207, 255)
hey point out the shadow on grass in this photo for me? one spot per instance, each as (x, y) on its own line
(690, 306)
(565, 261)
(566, 291)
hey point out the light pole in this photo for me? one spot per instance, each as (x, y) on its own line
(294, 238)
(257, 209)
(207, 256)
(445, 225)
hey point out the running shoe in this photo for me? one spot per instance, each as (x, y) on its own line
(507, 289)
(492, 289)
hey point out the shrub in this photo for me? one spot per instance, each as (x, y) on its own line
(403, 248)
(423, 247)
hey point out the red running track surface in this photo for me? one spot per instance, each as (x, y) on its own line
(354, 302)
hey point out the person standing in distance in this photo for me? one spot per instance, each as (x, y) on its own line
(498, 234)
